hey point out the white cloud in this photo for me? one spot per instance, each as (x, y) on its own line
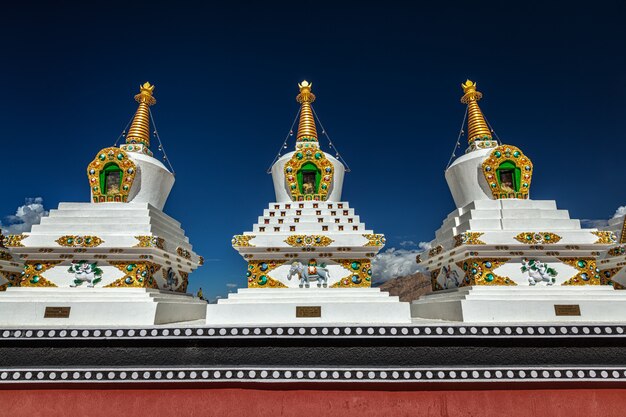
(407, 243)
(394, 263)
(424, 246)
(620, 211)
(231, 285)
(598, 224)
(593, 224)
(25, 217)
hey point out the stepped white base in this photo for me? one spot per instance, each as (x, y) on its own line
(522, 304)
(98, 306)
(338, 305)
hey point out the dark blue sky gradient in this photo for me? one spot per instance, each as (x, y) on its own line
(387, 78)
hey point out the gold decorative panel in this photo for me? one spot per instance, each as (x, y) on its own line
(308, 240)
(479, 271)
(538, 238)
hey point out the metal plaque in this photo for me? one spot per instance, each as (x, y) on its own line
(308, 311)
(567, 309)
(57, 312)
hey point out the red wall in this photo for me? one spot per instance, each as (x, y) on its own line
(261, 402)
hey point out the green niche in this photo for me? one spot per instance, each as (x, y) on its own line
(309, 173)
(509, 173)
(111, 179)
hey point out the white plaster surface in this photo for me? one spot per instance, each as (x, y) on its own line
(338, 305)
(500, 304)
(153, 181)
(501, 220)
(466, 180)
(98, 306)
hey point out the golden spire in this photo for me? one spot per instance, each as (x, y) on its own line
(139, 131)
(477, 127)
(306, 127)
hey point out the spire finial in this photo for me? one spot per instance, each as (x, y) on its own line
(476, 125)
(139, 131)
(306, 127)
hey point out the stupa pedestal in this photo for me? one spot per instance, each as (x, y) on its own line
(309, 255)
(118, 260)
(308, 306)
(501, 256)
(523, 304)
(96, 307)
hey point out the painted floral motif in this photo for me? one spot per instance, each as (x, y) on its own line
(137, 274)
(360, 273)
(184, 276)
(607, 278)
(13, 279)
(434, 274)
(468, 238)
(184, 253)
(375, 239)
(605, 237)
(240, 241)
(588, 272)
(300, 241)
(435, 251)
(73, 241)
(85, 271)
(13, 241)
(258, 274)
(32, 275)
(150, 242)
(479, 271)
(617, 251)
(538, 238)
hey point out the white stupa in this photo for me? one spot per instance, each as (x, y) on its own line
(117, 260)
(612, 261)
(309, 255)
(501, 256)
(11, 267)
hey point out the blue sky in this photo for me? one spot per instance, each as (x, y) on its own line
(387, 79)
